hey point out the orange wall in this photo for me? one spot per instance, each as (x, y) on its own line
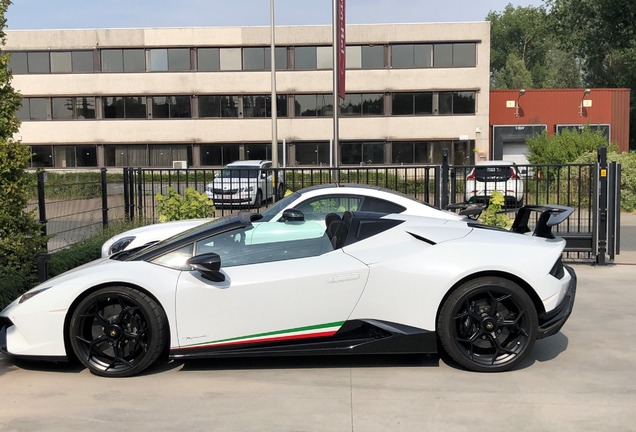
(562, 106)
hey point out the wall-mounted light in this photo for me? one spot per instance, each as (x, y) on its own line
(585, 103)
(521, 93)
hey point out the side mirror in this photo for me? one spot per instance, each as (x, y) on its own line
(292, 215)
(209, 265)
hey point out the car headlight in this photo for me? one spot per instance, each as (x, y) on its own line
(30, 294)
(120, 244)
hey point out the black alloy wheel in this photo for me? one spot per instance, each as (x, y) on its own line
(117, 331)
(488, 325)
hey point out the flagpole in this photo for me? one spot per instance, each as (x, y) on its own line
(335, 142)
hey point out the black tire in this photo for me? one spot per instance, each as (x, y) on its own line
(488, 324)
(117, 331)
(258, 201)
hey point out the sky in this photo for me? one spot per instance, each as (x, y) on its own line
(74, 14)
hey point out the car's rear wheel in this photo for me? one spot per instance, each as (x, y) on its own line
(488, 324)
(117, 331)
(280, 191)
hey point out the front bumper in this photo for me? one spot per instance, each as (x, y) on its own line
(550, 323)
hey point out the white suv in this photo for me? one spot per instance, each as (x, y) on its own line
(489, 176)
(245, 183)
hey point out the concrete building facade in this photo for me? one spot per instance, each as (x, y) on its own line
(153, 97)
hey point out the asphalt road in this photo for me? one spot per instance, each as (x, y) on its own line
(582, 379)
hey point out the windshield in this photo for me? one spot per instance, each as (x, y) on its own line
(279, 207)
(238, 171)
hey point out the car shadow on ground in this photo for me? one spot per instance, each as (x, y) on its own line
(544, 350)
(311, 362)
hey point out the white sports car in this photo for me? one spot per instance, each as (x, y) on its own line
(368, 283)
(315, 202)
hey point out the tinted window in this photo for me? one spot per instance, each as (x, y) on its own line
(208, 59)
(497, 173)
(464, 55)
(18, 63)
(369, 228)
(372, 204)
(82, 61)
(305, 57)
(373, 57)
(443, 55)
(39, 63)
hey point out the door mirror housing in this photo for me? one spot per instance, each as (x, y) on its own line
(209, 265)
(292, 215)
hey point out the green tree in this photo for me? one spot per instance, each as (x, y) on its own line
(20, 235)
(564, 147)
(524, 51)
(602, 34)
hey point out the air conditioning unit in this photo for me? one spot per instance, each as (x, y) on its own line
(180, 164)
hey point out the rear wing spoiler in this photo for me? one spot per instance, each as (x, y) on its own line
(551, 215)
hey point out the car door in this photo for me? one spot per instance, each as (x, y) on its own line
(289, 292)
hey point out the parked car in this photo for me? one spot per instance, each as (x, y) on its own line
(489, 176)
(370, 283)
(245, 183)
(315, 202)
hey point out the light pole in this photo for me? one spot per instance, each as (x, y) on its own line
(274, 108)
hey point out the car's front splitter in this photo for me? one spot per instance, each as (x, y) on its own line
(550, 323)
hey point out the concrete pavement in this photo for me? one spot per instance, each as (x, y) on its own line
(582, 379)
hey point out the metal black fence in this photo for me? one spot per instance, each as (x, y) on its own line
(592, 231)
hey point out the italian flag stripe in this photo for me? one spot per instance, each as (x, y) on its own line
(319, 330)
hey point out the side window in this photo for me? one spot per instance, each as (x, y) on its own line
(371, 204)
(318, 208)
(267, 242)
(175, 259)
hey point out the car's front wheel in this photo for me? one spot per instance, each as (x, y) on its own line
(117, 331)
(488, 324)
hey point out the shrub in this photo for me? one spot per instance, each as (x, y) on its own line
(191, 205)
(564, 147)
(492, 215)
(628, 175)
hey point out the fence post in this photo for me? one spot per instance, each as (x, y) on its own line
(126, 195)
(140, 194)
(445, 171)
(42, 201)
(104, 198)
(602, 206)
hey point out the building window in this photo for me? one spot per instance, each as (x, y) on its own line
(412, 103)
(124, 107)
(171, 59)
(18, 63)
(82, 61)
(373, 57)
(257, 151)
(208, 59)
(230, 59)
(126, 155)
(464, 54)
(443, 55)
(312, 153)
(61, 62)
(324, 57)
(305, 58)
(358, 153)
(73, 108)
(123, 60)
(171, 107)
(354, 57)
(313, 105)
(412, 56)
(456, 103)
(260, 106)
(163, 155)
(259, 58)
(219, 154)
(362, 104)
(74, 156)
(41, 156)
(415, 152)
(38, 62)
(34, 109)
